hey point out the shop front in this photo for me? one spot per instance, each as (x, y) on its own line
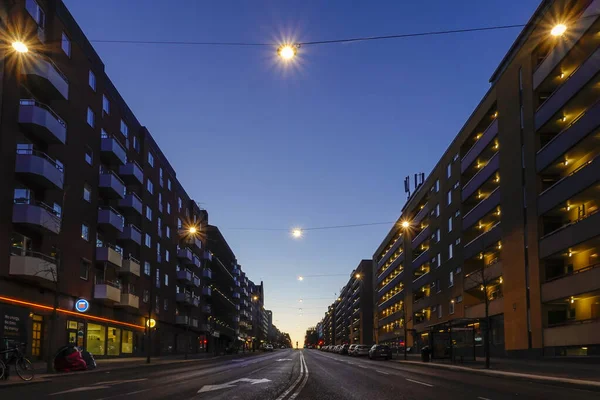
(101, 339)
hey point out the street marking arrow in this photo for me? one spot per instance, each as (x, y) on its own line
(210, 388)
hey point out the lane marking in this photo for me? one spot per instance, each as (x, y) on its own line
(293, 385)
(382, 372)
(420, 383)
(299, 389)
(483, 398)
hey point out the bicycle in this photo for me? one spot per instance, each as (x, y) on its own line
(23, 366)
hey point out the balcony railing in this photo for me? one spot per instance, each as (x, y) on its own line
(32, 265)
(490, 133)
(42, 121)
(583, 280)
(39, 169)
(45, 78)
(36, 215)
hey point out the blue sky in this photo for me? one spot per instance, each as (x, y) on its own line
(324, 142)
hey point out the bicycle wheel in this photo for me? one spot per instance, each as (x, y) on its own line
(24, 369)
(2, 369)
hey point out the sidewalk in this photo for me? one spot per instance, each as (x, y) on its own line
(112, 364)
(547, 371)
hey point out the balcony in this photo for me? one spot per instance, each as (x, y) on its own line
(474, 279)
(579, 281)
(196, 301)
(110, 185)
(570, 235)
(197, 243)
(582, 332)
(481, 177)
(207, 255)
(36, 216)
(45, 78)
(131, 233)
(130, 266)
(236, 283)
(39, 120)
(478, 310)
(182, 320)
(195, 281)
(184, 298)
(576, 131)
(206, 309)
(196, 261)
(488, 135)
(185, 276)
(483, 208)
(421, 236)
(185, 255)
(111, 151)
(131, 204)
(576, 30)
(568, 187)
(574, 83)
(38, 169)
(34, 266)
(391, 301)
(110, 219)
(475, 246)
(132, 173)
(206, 291)
(236, 295)
(109, 255)
(207, 273)
(130, 301)
(420, 259)
(107, 292)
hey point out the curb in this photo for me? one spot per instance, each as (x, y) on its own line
(578, 383)
(24, 383)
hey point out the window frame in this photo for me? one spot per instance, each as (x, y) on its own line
(65, 39)
(92, 80)
(91, 115)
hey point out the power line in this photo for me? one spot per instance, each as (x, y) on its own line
(311, 228)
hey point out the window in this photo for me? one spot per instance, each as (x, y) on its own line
(168, 208)
(90, 117)
(150, 159)
(149, 186)
(85, 232)
(87, 192)
(439, 311)
(437, 185)
(438, 286)
(450, 224)
(160, 176)
(456, 185)
(160, 206)
(84, 269)
(124, 129)
(136, 144)
(458, 270)
(158, 252)
(147, 268)
(57, 210)
(92, 80)
(127, 342)
(179, 224)
(449, 197)
(451, 279)
(89, 155)
(438, 235)
(146, 296)
(450, 251)
(167, 256)
(105, 105)
(157, 305)
(148, 213)
(166, 305)
(449, 170)
(148, 240)
(457, 213)
(451, 307)
(157, 277)
(169, 184)
(457, 242)
(66, 44)
(168, 231)
(455, 158)
(166, 280)
(179, 203)
(159, 227)
(96, 339)
(459, 299)
(439, 260)
(437, 210)
(36, 12)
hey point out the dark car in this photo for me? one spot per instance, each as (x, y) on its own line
(380, 351)
(344, 349)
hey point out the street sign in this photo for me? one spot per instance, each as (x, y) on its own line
(82, 305)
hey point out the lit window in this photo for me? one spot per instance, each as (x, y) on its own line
(450, 224)
(167, 256)
(66, 44)
(87, 192)
(450, 251)
(92, 80)
(150, 186)
(159, 227)
(124, 129)
(148, 240)
(166, 280)
(105, 105)
(148, 213)
(85, 232)
(147, 268)
(89, 155)
(451, 279)
(451, 307)
(169, 184)
(150, 159)
(90, 117)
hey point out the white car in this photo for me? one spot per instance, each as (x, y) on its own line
(268, 347)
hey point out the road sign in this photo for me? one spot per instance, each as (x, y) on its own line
(82, 305)
(210, 388)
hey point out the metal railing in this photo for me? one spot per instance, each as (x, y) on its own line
(574, 272)
(574, 322)
(115, 284)
(481, 169)
(106, 171)
(41, 154)
(570, 223)
(105, 135)
(33, 102)
(20, 251)
(100, 244)
(576, 170)
(482, 135)
(25, 200)
(482, 200)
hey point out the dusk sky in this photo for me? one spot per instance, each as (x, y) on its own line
(325, 141)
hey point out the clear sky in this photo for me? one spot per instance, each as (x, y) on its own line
(326, 142)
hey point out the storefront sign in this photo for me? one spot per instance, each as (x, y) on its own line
(13, 323)
(82, 305)
(216, 333)
(151, 323)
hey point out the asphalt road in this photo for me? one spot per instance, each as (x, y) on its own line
(289, 375)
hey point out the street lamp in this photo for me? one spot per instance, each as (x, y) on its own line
(287, 51)
(297, 233)
(20, 47)
(405, 224)
(300, 278)
(558, 30)
(357, 276)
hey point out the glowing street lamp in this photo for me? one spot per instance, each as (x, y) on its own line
(193, 230)
(287, 51)
(254, 298)
(405, 224)
(20, 47)
(300, 278)
(558, 30)
(297, 233)
(357, 276)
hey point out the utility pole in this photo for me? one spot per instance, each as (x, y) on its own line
(148, 324)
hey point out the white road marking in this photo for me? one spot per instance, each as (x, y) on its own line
(483, 398)
(210, 388)
(120, 382)
(420, 383)
(381, 372)
(80, 389)
(295, 382)
(299, 389)
(284, 359)
(361, 366)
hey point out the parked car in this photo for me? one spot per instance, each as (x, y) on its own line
(380, 351)
(351, 349)
(344, 349)
(268, 347)
(361, 350)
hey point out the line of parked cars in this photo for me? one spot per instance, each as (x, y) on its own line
(373, 352)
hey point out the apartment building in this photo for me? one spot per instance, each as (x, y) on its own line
(94, 218)
(328, 323)
(509, 213)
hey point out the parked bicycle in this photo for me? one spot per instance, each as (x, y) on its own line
(15, 355)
